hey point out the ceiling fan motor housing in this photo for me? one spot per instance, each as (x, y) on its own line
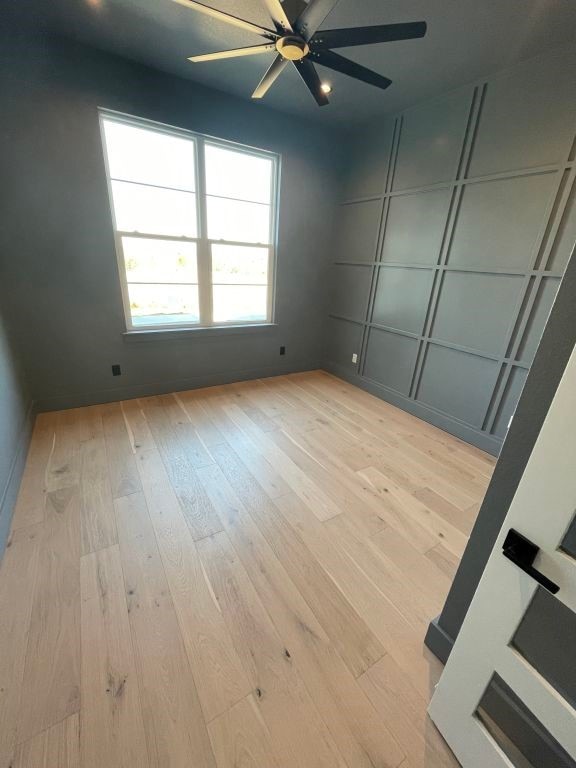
(292, 47)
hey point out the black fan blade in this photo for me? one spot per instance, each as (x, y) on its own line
(357, 71)
(310, 76)
(293, 8)
(228, 18)
(272, 73)
(385, 33)
(279, 16)
(252, 50)
(312, 16)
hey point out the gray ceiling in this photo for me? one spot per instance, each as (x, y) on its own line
(466, 40)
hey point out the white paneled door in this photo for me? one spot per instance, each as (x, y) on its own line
(542, 510)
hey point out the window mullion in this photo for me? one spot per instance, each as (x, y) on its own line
(204, 254)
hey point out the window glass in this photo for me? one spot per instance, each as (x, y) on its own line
(153, 210)
(239, 222)
(163, 304)
(239, 303)
(237, 264)
(149, 157)
(159, 261)
(240, 175)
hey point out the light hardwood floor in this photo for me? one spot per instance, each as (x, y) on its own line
(235, 576)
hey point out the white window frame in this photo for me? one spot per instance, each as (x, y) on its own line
(202, 241)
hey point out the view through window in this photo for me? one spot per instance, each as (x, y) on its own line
(194, 219)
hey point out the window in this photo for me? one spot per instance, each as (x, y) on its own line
(195, 222)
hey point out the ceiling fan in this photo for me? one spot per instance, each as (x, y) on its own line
(296, 38)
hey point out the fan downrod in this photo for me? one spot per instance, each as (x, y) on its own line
(292, 47)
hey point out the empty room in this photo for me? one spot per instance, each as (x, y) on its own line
(288, 384)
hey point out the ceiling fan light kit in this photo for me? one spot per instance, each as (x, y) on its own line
(296, 39)
(292, 48)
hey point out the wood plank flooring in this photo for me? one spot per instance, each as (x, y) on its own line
(233, 577)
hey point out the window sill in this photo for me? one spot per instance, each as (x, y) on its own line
(176, 334)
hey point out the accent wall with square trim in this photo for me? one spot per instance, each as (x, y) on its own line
(457, 220)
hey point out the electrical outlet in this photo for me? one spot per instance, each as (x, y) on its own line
(354, 358)
(282, 350)
(116, 371)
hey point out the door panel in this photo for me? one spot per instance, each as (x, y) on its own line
(548, 623)
(522, 738)
(569, 540)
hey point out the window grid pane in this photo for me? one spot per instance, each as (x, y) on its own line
(238, 221)
(153, 210)
(152, 176)
(163, 304)
(238, 175)
(240, 303)
(239, 265)
(150, 157)
(159, 261)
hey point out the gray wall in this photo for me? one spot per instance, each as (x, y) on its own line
(456, 224)
(64, 288)
(15, 424)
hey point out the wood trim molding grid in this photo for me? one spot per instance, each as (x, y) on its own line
(508, 358)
